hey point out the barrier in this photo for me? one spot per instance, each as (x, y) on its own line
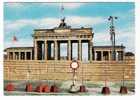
(39, 88)
(105, 90)
(28, 87)
(46, 89)
(54, 88)
(10, 87)
(123, 90)
(82, 88)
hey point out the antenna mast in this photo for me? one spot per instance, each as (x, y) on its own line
(112, 33)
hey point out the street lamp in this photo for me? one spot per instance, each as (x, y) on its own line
(112, 35)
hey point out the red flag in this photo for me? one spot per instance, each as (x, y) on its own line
(14, 39)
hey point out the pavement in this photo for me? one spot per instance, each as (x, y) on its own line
(93, 89)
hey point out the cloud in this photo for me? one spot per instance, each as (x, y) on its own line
(102, 38)
(128, 16)
(84, 21)
(74, 21)
(127, 37)
(69, 6)
(123, 36)
(20, 43)
(14, 5)
(15, 25)
(72, 5)
(10, 26)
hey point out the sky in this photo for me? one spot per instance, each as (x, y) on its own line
(20, 19)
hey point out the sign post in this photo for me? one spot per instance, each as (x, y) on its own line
(74, 66)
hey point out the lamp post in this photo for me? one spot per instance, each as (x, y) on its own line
(112, 35)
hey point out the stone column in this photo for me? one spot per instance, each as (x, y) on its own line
(17, 55)
(35, 49)
(79, 55)
(95, 55)
(109, 54)
(102, 58)
(119, 55)
(56, 49)
(46, 48)
(25, 55)
(31, 55)
(20, 56)
(115, 55)
(7, 55)
(69, 46)
(90, 50)
(42, 48)
(14, 56)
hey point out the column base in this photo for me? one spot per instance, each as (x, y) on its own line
(39, 88)
(105, 91)
(28, 87)
(83, 88)
(46, 89)
(123, 90)
(54, 88)
(10, 87)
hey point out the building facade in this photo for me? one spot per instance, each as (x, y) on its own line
(45, 61)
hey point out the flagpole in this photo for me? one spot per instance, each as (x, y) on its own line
(62, 10)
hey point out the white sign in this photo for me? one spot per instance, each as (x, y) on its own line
(74, 65)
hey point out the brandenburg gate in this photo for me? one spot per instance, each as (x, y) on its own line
(47, 42)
